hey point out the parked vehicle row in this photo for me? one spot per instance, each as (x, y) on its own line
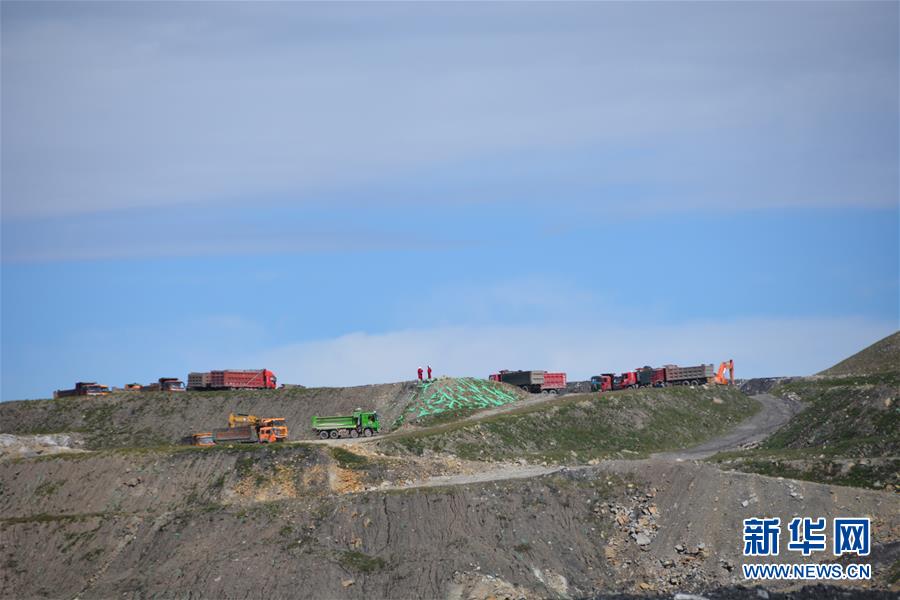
(228, 379)
(664, 376)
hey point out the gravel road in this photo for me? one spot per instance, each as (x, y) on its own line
(775, 412)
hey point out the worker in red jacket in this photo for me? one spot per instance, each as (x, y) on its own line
(420, 373)
(429, 372)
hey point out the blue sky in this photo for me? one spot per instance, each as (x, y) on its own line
(343, 192)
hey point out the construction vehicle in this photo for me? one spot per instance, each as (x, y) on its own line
(360, 423)
(198, 381)
(243, 428)
(698, 375)
(84, 388)
(165, 384)
(611, 381)
(720, 374)
(233, 379)
(661, 377)
(533, 382)
(133, 387)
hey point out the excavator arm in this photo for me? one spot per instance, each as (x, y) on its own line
(720, 374)
(236, 420)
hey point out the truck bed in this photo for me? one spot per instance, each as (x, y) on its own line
(700, 373)
(336, 422)
(245, 433)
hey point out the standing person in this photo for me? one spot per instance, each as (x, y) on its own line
(420, 374)
(429, 372)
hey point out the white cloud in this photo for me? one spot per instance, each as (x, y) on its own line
(760, 347)
(159, 105)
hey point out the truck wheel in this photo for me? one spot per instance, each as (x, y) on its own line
(354, 433)
(334, 434)
(367, 432)
(323, 435)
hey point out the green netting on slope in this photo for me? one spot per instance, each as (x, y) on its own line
(443, 395)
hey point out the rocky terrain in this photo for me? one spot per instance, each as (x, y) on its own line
(472, 492)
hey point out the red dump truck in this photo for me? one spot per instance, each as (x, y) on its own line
(654, 377)
(534, 382)
(232, 379)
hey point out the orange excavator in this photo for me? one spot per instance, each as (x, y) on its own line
(720, 374)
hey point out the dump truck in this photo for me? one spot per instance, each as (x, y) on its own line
(164, 384)
(198, 381)
(233, 379)
(697, 375)
(611, 381)
(252, 429)
(360, 423)
(533, 382)
(658, 377)
(84, 388)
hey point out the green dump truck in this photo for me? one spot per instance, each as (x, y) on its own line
(360, 423)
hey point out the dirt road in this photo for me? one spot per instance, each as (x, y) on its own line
(775, 412)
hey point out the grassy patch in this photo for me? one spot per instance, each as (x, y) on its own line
(360, 562)
(849, 416)
(348, 460)
(874, 476)
(847, 425)
(581, 427)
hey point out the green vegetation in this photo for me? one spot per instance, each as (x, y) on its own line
(580, 427)
(358, 561)
(854, 416)
(348, 460)
(848, 425)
